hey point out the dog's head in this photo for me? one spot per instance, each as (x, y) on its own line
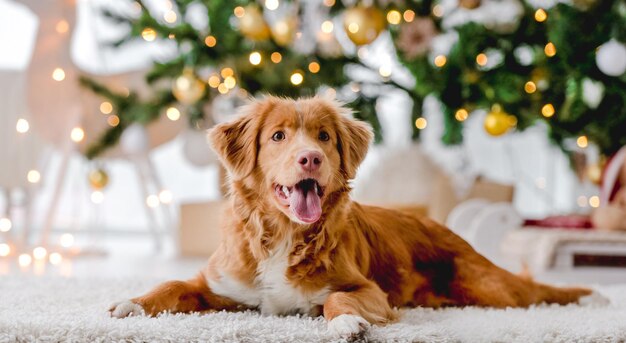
(293, 153)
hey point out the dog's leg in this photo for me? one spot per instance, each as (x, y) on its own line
(350, 312)
(174, 296)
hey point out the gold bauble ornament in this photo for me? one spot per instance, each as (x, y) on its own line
(98, 179)
(497, 122)
(252, 25)
(363, 24)
(187, 89)
(469, 4)
(284, 30)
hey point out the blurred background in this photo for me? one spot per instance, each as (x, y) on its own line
(503, 119)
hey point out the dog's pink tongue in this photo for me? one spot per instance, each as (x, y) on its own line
(305, 204)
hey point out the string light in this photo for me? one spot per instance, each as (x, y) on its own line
(230, 82)
(39, 253)
(541, 15)
(329, 3)
(239, 11)
(327, 26)
(481, 60)
(171, 36)
(77, 134)
(421, 123)
(440, 61)
(353, 27)
(165, 196)
(214, 81)
(222, 88)
(226, 72)
(550, 49)
(384, 70)
(461, 114)
(547, 110)
(276, 57)
(255, 58)
(55, 258)
(314, 67)
(33, 176)
(394, 17)
(152, 201)
(113, 120)
(97, 197)
(62, 26)
(148, 34)
(5, 224)
(172, 113)
(66, 240)
(58, 74)
(582, 142)
(170, 17)
(22, 125)
(530, 87)
(5, 250)
(210, 41)
(296, 78)
(582, 201)
(106, 107)
(438, 11)
(408, 16)
(271, 4)
(594, 201)
(24, 260)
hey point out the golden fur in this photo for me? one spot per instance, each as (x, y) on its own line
(367, 259)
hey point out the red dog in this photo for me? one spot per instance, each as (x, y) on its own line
(294, 242)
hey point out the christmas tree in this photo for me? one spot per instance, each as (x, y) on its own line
(562, 65)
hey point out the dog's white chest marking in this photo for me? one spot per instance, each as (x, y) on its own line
(272, 293)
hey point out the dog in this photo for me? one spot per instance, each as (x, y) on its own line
(294, 241)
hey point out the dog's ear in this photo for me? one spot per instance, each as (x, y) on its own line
(353, 141)
(236, 142)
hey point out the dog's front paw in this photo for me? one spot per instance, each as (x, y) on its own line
(595, 299)
(125, 309)
(347, 325)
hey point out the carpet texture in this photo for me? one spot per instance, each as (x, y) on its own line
(75, 310)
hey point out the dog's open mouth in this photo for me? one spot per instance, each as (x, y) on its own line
(304, 199)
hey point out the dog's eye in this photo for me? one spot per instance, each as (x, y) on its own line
(323, 136)
(278, 136)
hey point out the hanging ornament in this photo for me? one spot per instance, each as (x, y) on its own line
(469, 4)
(252, 25)
(415, 37)
(196, 148)
(187, 89)
(134, 140)
(611, 58)
(98, 179)
(284, 30)
(497, 122)
(363, 24)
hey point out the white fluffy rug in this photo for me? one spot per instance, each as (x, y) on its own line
(75, 310)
